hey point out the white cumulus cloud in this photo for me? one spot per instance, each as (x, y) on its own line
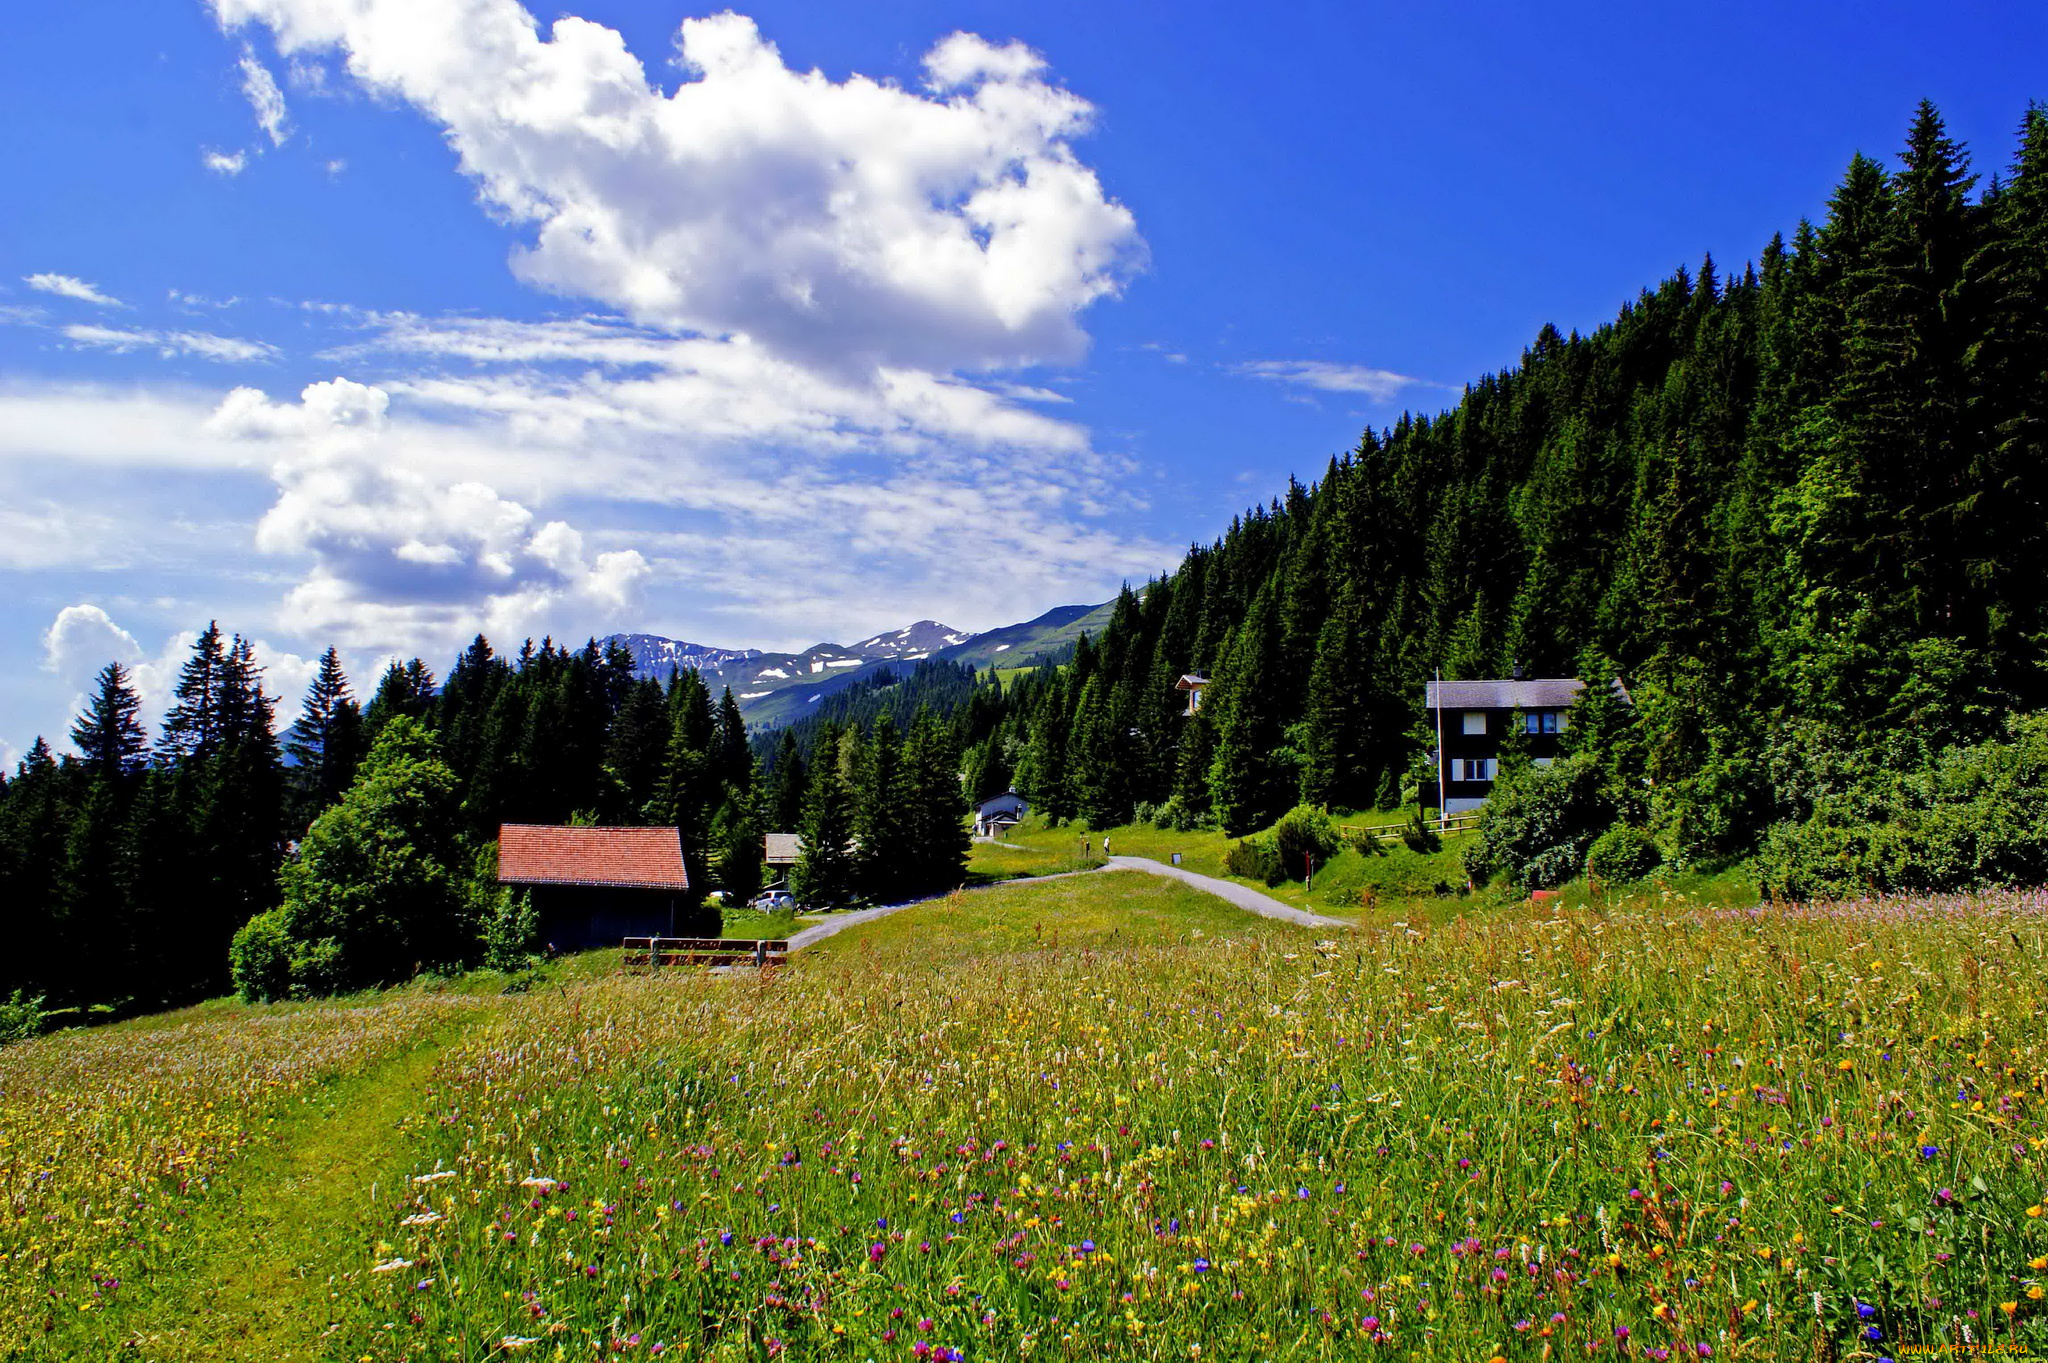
(83, 639)
(224, 162)
(398, 557)
(848, 224)
(68, 286)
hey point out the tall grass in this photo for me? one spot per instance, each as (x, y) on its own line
(1099, 1120)
(111, 1139)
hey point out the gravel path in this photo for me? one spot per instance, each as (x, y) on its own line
(818, 932)
(1250, 900)
(1263, 905)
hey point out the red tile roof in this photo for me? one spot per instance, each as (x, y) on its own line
(640, 858)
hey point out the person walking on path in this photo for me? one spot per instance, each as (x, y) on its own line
(1105, 846)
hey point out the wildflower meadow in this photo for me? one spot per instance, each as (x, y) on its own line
(1109, 1117)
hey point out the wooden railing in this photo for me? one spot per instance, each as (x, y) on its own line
(642, 954)
(1394, 832)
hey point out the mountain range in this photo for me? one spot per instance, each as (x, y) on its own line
(775, 688)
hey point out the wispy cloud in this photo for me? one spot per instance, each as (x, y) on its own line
(69, 286)
(224, 162)
(264, 97)
(172, 344)
(1381, 385)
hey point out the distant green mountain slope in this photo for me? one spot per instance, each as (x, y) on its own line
(1051, 634)
(774, 689)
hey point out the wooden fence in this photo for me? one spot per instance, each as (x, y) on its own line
(1394, 832)
(643, 954)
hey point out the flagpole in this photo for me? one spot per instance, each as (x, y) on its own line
(1443, 795)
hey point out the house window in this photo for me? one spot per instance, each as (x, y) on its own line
(1542, 721)
(1475, 721)
(1472, 769)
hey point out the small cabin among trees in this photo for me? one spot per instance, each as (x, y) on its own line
(594, 887)
(1194, 683)
(1475, 719)
(994, 817)
(780, 853)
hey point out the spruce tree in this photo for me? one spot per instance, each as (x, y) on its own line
(881, 818)
(634, 751)
(788, 781)
(937, 839)
(192, 727)
(825, 876)
(1248, 789)
(324, 743)
(109, 740)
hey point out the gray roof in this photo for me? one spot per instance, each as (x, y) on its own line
(1534, 693)
(781, 848)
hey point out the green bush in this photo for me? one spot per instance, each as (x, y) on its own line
(1971, 816)
(260, 958)
(1254, 859)
(1177, 815)
(511, 932)
(1302, 832)
(1538, 823)
(1419, 837)
(381, 886)
(1623, 853)
(21, 1017)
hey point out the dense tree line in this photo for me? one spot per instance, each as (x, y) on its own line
(128, 866)
(882, 812)
(1800, 508)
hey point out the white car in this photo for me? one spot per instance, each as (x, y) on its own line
(773, 900)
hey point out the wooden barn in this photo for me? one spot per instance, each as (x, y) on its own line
(594, 887)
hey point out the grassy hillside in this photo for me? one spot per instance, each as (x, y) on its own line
(1382, 886)
(1102, 1117)
(1049, 636)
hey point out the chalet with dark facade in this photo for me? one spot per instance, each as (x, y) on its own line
(594, 887)
(1474, 718)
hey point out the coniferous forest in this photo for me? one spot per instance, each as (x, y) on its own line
(1800, 508)
(128, 869)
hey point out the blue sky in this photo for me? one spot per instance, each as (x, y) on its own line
(378, 323)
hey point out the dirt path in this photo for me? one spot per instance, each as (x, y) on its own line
(259, 1283)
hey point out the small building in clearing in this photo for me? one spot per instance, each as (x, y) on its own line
(993, 818)
(594, 887)
(1193, 683)
(780, 853)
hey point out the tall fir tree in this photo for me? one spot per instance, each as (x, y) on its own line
(825, 876)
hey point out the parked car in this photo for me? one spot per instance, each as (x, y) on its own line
(773, 900)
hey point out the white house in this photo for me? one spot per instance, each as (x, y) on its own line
(994, 817)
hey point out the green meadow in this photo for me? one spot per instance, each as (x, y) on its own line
(1101, 1117)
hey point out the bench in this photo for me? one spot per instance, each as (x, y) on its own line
(639, 955)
